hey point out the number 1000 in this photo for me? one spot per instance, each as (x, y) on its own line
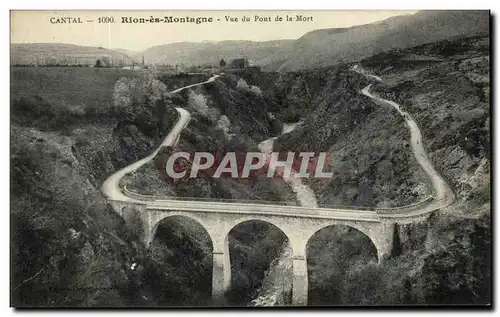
(106, 20)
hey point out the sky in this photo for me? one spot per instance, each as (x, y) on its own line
(42, 26)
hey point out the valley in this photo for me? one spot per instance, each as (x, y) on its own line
(404, 219)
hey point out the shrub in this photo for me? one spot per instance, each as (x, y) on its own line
(121, 92)
(134, 91)
(256, 90)
(242, 84)
(37, 112)
(198, 102)
(224, 124)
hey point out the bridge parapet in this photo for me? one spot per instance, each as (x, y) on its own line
(407, 219)
(260, 209)
(136, 195)
(426, 205)
(402, 209)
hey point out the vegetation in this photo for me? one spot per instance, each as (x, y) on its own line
(327, 47)
(446, 260)
(59, 54)
(68, 247)
(58, 85)
(372, 173)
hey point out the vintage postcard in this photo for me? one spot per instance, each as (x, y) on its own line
(250, 158)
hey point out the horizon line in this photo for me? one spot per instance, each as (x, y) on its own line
(215, 41)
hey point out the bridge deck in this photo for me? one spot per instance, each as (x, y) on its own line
(277, 210)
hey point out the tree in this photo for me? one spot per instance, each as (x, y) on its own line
(222, 63)
(198, 102)
(224, 124)
(106, 61)
(121, 92)
(98, 63)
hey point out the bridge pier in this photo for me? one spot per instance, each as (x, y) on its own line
(300, 285)
(383, 240)
(382, 255)
(221, 272)
(148, 238)
(150, 224)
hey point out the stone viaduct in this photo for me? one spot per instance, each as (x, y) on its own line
(298, 227)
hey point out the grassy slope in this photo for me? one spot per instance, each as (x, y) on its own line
(63, 54)
(67, 85)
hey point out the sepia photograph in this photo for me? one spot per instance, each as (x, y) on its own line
(185, 159)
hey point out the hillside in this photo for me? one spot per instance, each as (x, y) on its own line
(327, 47)
(31, 82)
(63, 54)
(445, 86)
(127, 52)
(212, 52)
(379, 171)
(68, 247)
(135, 56)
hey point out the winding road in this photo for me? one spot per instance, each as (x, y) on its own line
(443, 195)
(111, 188)
(441, 189)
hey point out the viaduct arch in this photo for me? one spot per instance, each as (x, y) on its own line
(337, 247)
(274, 235)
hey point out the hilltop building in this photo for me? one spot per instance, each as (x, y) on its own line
(239, 63)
